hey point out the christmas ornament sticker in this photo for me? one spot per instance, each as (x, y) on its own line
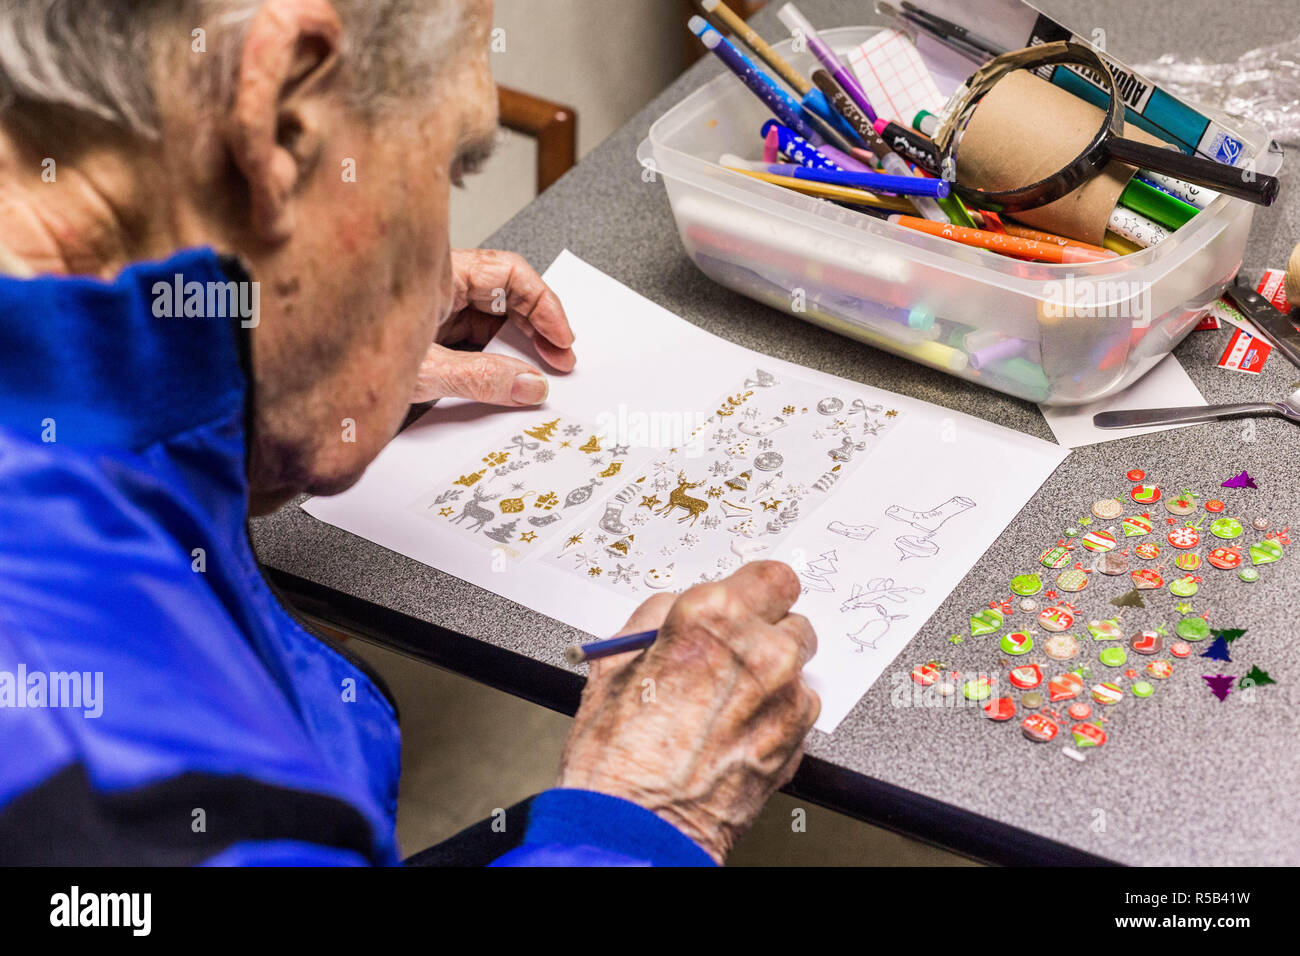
(1056, 618)
(1064, 687)
(1107, 692)
(1038, 728)
(1145, 494)
(988, 621)
(1184, 538)
(1159, 669)
(1145, 579)
(1071, 580)
(1088, 735)
(1026, 584)
(1099, 541)
(1108, 509)
(1187, 561)
(1265, 552)
(1227, 559)
(1226, 528)
(1061, 647)
(1002, 708)
(1057, 556)
(1147, 550)
(1137, 525)
(1025, 677)
(1185, 586)
(1108, 630)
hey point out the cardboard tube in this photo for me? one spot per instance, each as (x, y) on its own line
(1025, 129)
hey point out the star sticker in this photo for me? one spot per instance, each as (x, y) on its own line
(446, 512)
(956, 639)
(529, 536)
(618, 451)
(1183, 607)
(892, 413)
(771, 504)
(594, 572)
(576, 539)
(566, 444)
(1085, 521)
(649, 501)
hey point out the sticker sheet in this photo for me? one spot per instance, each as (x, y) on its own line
(669, 457)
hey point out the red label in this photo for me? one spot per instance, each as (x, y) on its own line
(1272, 288)
(1245, 353)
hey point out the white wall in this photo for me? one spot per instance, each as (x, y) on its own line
(604, 58)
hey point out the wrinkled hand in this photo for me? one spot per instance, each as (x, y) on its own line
(704, 725)
(491, 288)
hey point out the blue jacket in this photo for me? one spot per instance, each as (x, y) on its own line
(157, 703)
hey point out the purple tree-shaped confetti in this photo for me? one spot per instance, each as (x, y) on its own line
(1240, 480)
(1220, 685)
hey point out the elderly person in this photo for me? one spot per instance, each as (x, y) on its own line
(224, 278)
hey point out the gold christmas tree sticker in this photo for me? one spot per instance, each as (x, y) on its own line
(544, 431)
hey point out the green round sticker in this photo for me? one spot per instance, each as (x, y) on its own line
(1226, 528)
(1184, 587)
(1193, 629)
(1113, 657)
(1248, 575)
(1026, 584)
(1018, 642)
(1142, 688)
(976, 688)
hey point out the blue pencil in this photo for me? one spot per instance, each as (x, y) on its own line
(580, 653)
(781, 104)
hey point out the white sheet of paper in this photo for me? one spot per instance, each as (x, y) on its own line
(1165, 386)
(603, 497)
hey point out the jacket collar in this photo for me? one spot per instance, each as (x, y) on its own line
(127, 363)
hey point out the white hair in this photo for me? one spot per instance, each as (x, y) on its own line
(98, 57)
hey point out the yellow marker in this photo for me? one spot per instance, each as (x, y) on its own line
(859, 197)
(1119, 244)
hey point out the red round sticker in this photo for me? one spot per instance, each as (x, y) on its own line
(1145, 494)
(1226, 558)
(1080, 711)
(1180, 649)
(1184, 537)
(1026, 676)
(1001, 708)
(1214, 505)
(1039, 728)
(1137, 474)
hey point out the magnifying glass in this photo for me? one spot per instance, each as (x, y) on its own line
(1107, 145)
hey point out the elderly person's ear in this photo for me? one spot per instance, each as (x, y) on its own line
(290, 59)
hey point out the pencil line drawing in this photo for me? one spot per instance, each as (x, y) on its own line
(926, 522)
(876, 620)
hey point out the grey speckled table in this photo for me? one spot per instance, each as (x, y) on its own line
(1184, 778)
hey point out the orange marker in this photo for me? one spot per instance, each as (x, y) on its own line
(1006, 244)
(1024, 232)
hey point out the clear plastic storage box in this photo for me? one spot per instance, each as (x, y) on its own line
(1055, 334)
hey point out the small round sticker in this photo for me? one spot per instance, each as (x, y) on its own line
(1039, 728)
(1159, 669)
(1145, 579)
(1142, 688)
(1136, 525)
(1026, 584)
(1249, 575)
(1055, 619)
(1260, 524)
(1214, 506)
(925, 674)
(1147, 642)
(1228, 559)
(1226, 528)
(1071, 580)
(1061, 647)
(1147, 550)
(1057, 556)
(1107, 693)
(1080, 710)
(977, 688)
(1145, 494)
(1180, 649)
(1026, 676)
(1107, 509)
(1064, 687)
(1113, 657)
(1016, 643)
(1002, 708)
(1032, 701)
(1136, 474)
(1112, 564)
(1099, 541)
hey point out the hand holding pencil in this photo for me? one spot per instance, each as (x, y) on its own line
(708, 721)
